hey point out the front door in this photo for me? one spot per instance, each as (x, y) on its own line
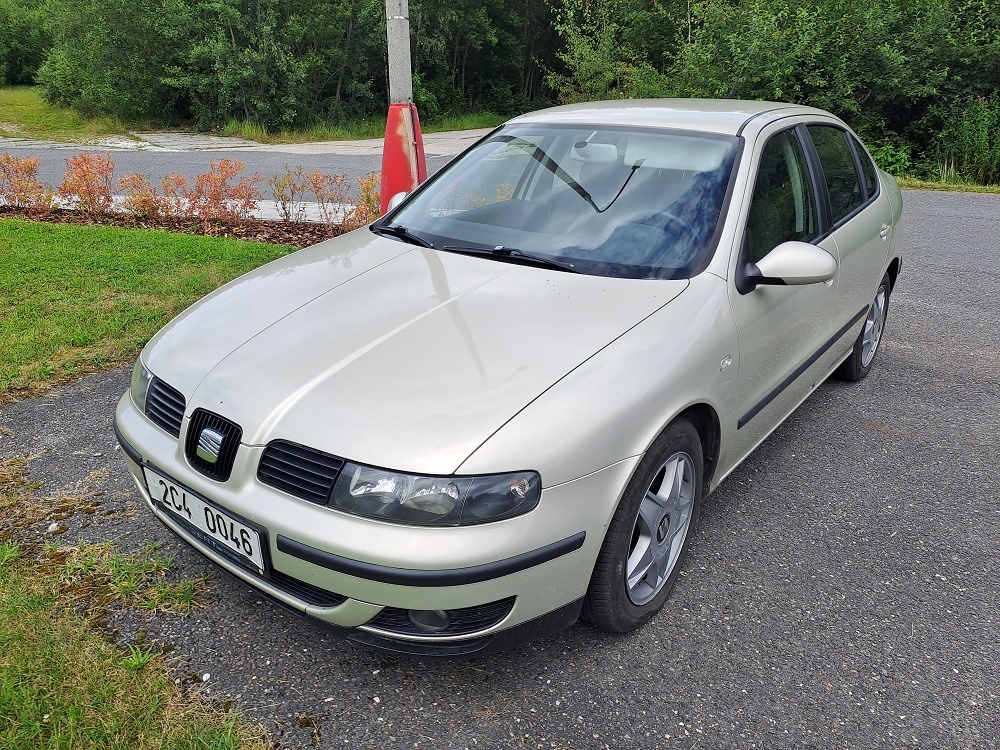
(781, 328)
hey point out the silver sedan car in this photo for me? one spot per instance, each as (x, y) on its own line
(498, 408)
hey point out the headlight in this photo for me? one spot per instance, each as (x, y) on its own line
(434, 501)
(141, 378)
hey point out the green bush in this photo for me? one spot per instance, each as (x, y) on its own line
(888, 68)
(893, 157)
(599, 60)
(288, 63)
(969, 143)
(108, 58)
(24, 40)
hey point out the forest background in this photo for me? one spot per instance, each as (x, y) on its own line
(918, 79)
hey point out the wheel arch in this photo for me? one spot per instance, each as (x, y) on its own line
(893, 272)
(706, 422)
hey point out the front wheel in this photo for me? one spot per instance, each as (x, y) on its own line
(649, 534)
(859, 363)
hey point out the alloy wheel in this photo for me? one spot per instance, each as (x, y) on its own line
(660, 529)
(873, 327)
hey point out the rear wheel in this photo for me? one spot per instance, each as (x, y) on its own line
(649, 533)
(859, 363)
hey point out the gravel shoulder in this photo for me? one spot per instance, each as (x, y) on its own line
(841, 592)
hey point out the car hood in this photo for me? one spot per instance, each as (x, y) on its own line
(390, 354)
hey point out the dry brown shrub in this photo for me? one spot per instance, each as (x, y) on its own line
(214, 198)
(19, 185)
(289, 190)
(330, 191)
(141, 198)
(87, 183)
(367, 206)
(174, 191)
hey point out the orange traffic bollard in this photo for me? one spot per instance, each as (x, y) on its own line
(403, 163)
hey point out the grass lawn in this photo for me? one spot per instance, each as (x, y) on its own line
(23, 114)
(351, 131)
(80, 299)
(76, 299)
(911, 183)
(62, 683)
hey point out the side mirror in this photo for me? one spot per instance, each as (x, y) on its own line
(395, 201)
(790, 263)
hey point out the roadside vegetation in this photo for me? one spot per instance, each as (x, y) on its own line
(81, 299)
(912, 183)
(63, 683)
(24, 114)
(917, 79)
(78, 299)
(373, 127)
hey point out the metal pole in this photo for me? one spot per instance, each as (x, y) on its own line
(403, 163)
(397, 29)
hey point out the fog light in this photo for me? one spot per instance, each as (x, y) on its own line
(430, 620)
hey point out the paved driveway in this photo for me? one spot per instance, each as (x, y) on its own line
(842, 591)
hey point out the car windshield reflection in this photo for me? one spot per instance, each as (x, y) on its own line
(636, 203)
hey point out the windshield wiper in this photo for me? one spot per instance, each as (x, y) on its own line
(401, 233)
(502, 251)
(553, 166)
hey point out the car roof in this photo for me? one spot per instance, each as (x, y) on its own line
(725, 116)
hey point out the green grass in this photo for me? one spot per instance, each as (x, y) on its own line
(357, 130)
(911, 183)
(63, 685)
(81, 299)
(23, 114)
(74, 299)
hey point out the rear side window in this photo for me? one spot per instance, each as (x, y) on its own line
(867, 168)
(841, 173)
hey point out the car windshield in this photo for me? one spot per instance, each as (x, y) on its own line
(608, 201)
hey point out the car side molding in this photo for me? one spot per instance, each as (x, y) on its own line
(792, 376)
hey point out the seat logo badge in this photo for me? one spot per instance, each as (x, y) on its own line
(210, 445)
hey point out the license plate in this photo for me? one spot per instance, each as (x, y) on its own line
(216, 523)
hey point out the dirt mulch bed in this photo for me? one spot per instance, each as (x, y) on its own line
(297, 234)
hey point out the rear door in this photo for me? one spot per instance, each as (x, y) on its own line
(860, 218)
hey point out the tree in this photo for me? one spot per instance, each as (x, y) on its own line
(24, 40)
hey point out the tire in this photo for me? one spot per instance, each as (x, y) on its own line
(649, 533)
(859, 363)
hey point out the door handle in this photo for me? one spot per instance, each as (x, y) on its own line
(884, 234)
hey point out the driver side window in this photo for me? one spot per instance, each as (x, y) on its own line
(782, 207)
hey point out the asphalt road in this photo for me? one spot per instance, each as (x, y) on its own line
(841, 592)
(162, 154)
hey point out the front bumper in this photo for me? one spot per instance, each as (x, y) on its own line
(507, 582)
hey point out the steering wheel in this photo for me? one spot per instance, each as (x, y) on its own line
(683, 227)
(682, 237)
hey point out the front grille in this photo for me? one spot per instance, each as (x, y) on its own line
(299, 471)
(462, 621)
(308, 593)
(165, 406)
(231, 434)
